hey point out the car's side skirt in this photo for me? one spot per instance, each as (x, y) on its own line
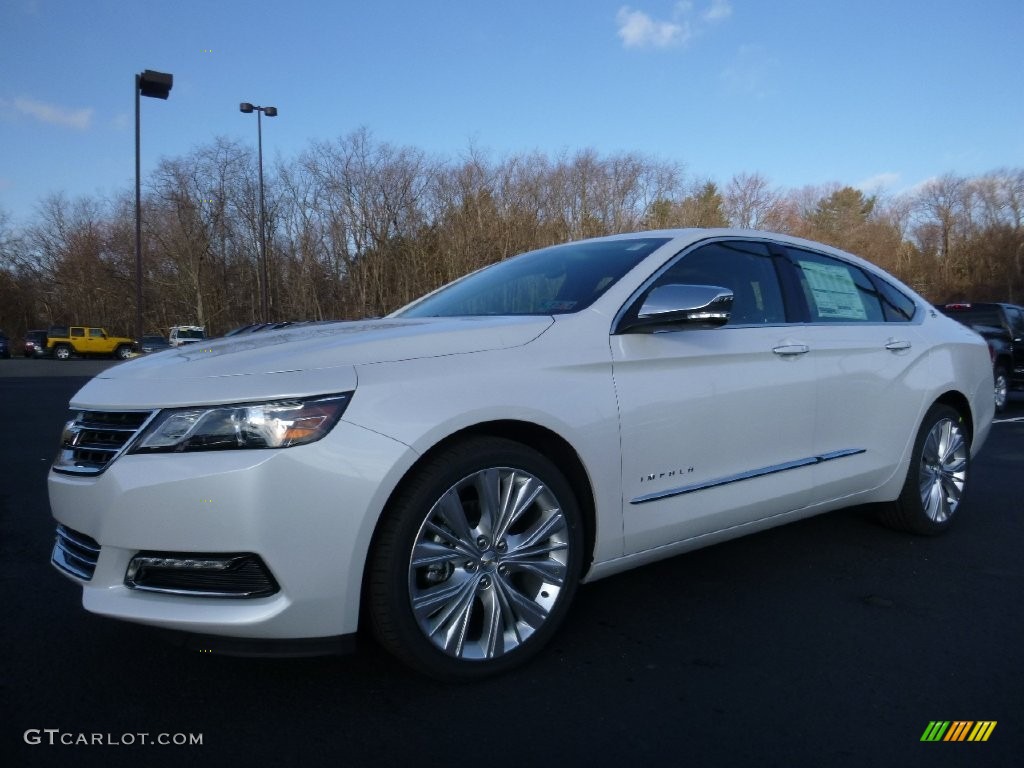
(747, 475)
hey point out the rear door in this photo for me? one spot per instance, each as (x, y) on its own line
(866, 351)
(96, 342)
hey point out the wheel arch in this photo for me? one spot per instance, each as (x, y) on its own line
(546, 442)
(959, 403)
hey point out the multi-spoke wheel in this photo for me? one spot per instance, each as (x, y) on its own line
(937, 477)
(476, 560)
(1002, 388)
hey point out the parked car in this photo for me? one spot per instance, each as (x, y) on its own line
(186, 334)
(247, 328)
(258, 327)
(156, 343)
(64, 341)
(1002, 326)
(34, 344)
(452, 472)
(5, 346)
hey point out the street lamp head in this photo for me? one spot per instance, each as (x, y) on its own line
(246, 107)
(155, 84)
(270, 111)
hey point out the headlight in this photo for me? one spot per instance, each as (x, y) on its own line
(276, 424)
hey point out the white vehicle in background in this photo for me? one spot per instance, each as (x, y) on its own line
(446, 476)
(186, 334)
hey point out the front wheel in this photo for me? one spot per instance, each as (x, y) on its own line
(62, 352)
(476, 561)
(937, 478)
(123, 352)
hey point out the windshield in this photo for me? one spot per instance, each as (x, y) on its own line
(551, 281)
(191, 334)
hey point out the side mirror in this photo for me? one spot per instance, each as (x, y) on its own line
(691, 306)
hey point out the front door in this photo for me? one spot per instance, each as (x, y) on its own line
(717, 424)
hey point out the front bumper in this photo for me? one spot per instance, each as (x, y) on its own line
(307, 512)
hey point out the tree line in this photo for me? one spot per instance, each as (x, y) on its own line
(357, 227)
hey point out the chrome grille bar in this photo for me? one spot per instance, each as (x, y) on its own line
(93, 439)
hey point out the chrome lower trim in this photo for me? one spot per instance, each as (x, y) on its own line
(748, 475)
(75, 553)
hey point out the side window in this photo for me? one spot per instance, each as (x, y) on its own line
(745, 268)
(836, 292)
(78, 332)
(95, 333)
(897, 307)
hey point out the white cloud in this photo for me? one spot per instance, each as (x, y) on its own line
(719, 10)
(878, 182)
(752, 72)
(640, 30)
(80, 119)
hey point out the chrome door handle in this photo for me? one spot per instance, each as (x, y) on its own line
(896, 346)
(787, 350)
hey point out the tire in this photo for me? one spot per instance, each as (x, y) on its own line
(124, 352)
(1002, 388)
(62, 352)
(447, 598)
(937, 478)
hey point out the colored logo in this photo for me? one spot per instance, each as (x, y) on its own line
(959, 730)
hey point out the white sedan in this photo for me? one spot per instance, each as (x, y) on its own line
(452, 472)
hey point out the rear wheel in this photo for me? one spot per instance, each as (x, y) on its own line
(123, 352)
(937, 478)
(476, 561)
(1002, 388)
(62, 352)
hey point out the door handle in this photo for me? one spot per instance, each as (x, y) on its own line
(896, 346)
(788, 350)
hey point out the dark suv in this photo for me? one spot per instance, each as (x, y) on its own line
(1002, 326)
(35, 344)
(5, 345)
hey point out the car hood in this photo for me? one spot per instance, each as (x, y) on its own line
(294, 361)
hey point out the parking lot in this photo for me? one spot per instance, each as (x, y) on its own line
(829, 642)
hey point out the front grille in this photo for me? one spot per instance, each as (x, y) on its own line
(201, 575)
(93, 439)
(75, 553)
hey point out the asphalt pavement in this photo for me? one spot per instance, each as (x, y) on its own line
(828, 642)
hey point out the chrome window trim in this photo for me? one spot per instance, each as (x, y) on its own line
(671, 261)
(747, 475)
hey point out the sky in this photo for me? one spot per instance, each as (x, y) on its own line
(882, 95)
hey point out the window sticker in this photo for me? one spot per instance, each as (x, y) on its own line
(834, 291)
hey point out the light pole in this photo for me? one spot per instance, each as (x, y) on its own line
(248, 108)
(156, 85)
